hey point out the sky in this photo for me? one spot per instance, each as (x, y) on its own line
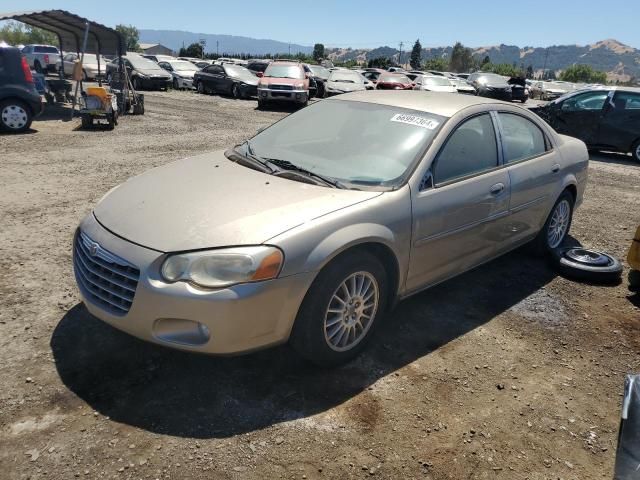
(373, 23)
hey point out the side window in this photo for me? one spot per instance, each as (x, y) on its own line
(471, 149)
(627, 101)
(2, 68)
(585, 101)
(521, 138)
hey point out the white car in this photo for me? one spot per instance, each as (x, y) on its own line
(89, 65)
(344, 81)
(432, 83)
(181, 71)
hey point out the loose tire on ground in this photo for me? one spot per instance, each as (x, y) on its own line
(587, 265)
(314, 334)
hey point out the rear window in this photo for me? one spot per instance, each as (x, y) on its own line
(394, 79)
(45, 49)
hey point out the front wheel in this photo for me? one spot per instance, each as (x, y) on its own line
(200, 87)
(235, 91)
(176, 85)
(557, 226)
(635, 151)
(341, 310)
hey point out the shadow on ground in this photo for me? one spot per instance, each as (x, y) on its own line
(613, 158)
(181, 394)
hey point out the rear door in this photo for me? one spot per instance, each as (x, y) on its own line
(458, 214)
(620, 126)
(579, 116)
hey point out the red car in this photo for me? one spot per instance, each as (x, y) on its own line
(394, 81)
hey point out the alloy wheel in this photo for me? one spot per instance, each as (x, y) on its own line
(351, 311)
(559, 224)
(637, 153)
(14, 117)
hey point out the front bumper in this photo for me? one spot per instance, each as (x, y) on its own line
(295, 96)
(498, 94)
(248, 90)
(153, 83)
(226, 321)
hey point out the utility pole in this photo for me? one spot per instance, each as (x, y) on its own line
(544, 69)
(400, 55)
(289, 49)
(218, 48)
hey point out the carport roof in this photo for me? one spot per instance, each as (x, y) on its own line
(70, 29)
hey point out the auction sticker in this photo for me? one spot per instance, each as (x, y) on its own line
(415, 120)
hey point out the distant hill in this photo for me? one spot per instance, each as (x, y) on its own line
(230, 44)
(618, 60)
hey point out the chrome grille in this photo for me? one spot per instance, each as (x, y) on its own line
(105, 278)
(281, 87)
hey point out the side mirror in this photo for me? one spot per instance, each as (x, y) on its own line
(259, 74)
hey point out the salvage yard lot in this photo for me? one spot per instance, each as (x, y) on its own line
(507, 372)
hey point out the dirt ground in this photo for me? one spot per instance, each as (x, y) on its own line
(507, 372)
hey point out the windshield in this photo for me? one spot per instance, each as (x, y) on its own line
(181, 66)
(491, 78)
(143, 63)
(356, 143)
(394, 79)
(239, 72)
(284, 71)
(439, 81)
(346, 77)
(319, 71)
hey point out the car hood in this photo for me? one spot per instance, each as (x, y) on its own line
(440, 88)
(186, 73)
(153, 72)
(346, 87)
(208, 201)
(497, 85)
(248, 81)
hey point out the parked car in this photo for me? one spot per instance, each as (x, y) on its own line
(144, 73)
(462, 86)
(396, 69)
(283, 81)
(314, 228)
(344, 81)
(202, 64)
(431, 83)
(20, 102)
(372, 74)
(394, 81)
(182, 72)
(490, 85)
(228, 79)
(157, 58)
(258, 66)
(89, 65)
(194, 60)
(519, 89)
(320, 75)
(548, 90)
(604, 118)
(42, 58)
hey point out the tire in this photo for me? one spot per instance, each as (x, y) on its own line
(545, 242)
(587, 265)
(15, 116)
(87, 121)
(635, 151)
(326, 345)
(136, 84)
(112, 122)
(634, 281)
(235, 91)
(85, 78)
(262, 105)
(176, 85)
(321, 92)
(200, 88)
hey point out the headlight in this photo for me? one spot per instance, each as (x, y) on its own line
(224, 267)
(299, 86)
(142, 75)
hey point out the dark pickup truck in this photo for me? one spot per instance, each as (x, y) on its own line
(20, 102)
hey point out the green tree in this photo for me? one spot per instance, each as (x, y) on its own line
(17, 33)
(461, 58)
(485, 60)
(380, 62)
(318, 52)
(530, 71)
(416, 55)
(131, 37)
(193, 50)
(504, 69)
(583, 74)
(437, 64)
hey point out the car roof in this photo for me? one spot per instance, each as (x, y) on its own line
(443, 104)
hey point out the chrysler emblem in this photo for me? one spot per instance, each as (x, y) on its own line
(93, 249)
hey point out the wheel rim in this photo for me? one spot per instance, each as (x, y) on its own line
(559, 224)
(351, 311)
(587, 257)
(235, 91)
(200, 88)
(638, 151)
(14, 117)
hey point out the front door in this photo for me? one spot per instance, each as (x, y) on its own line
(579, 116)
(460, 211)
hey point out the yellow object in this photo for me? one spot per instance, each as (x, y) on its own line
(634, 252)
(98, 92)
(77, 71)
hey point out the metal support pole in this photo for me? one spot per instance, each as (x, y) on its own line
(84, 47)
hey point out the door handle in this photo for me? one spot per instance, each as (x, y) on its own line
(555, 168)
(497, 188)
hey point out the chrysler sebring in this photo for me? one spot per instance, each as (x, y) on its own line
(312, 229)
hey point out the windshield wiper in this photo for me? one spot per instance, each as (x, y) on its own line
(286, 165)
(255, 159)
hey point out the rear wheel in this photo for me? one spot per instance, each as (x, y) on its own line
(341, 310)
(15, 116)
(176, 85)
(557, 226)
(635, 151)
(200, 87)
